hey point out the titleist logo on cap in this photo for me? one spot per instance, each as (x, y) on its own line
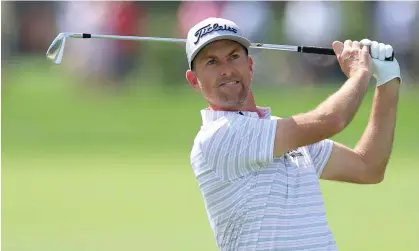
(209, 29)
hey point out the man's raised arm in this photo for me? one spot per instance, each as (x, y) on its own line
(367, 161)
(337, 111)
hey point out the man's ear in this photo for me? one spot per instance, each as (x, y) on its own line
(192, 79)
(251, 64)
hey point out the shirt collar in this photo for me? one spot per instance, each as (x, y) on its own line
(209, 115)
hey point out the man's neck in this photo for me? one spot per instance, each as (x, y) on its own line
(249, 106)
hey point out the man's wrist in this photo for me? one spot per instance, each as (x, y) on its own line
(362, 75)
(394, 82)
(390, 89)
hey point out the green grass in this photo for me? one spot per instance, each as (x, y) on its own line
(85, 172)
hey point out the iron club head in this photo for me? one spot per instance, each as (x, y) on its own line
(56, 49)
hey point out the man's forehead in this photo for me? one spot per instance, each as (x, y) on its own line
(226, 46)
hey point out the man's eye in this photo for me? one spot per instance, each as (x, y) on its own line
(210, 62)
(235, 56)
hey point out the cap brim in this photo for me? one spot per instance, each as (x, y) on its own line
(239, 39)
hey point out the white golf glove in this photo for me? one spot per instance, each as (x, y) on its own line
(383, 71)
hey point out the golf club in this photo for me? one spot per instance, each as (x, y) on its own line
(56, 49)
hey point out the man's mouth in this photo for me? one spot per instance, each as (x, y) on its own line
(230, 83)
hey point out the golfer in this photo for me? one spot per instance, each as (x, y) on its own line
(259, 173)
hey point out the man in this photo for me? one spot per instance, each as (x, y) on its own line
(259, 174)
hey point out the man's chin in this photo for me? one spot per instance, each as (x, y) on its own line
(236, 103)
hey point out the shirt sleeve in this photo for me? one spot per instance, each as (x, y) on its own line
(320, 153)
(236, 146)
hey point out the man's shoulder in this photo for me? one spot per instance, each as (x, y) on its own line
(216, 129)
(274, 117)
(212, 129)
(224, 123)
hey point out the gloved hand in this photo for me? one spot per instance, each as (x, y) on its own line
(383, 71)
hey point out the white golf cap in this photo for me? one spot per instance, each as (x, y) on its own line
(210, 30)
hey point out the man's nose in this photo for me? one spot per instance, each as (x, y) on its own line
(226, 69)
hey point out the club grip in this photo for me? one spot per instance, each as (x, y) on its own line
(326, 51)
(316, 50)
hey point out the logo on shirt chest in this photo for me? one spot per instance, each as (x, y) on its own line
(295, 154)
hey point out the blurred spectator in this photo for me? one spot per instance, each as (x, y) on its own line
(312, 24)
(103, 61)
(187, 14)
(91, 60)
(127, 19)
(397, 23)
(8, 31)
(191, 13)
(29, 27)
(254, 28)
(35, 25)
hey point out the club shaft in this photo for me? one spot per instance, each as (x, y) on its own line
(132, 38)
(303, 49)
(180, 40)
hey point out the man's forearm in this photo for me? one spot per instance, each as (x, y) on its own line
(345, 102)
(375, 145)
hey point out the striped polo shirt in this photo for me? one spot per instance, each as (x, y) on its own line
(256, 201)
